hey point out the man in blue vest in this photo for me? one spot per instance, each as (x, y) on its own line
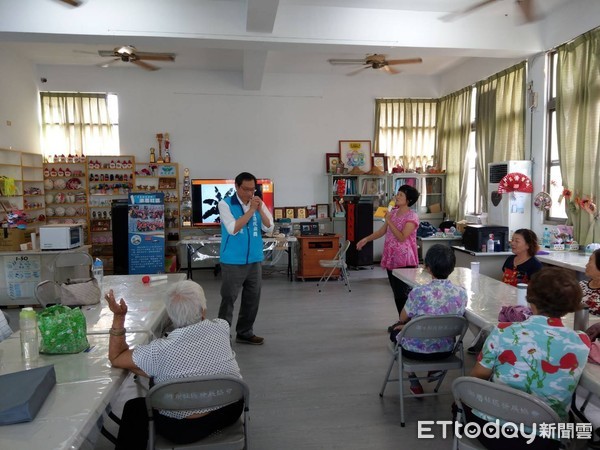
(244, 217)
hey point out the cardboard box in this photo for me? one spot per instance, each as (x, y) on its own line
(12, 238)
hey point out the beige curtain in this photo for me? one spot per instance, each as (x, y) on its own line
(76, 124)
(405, 131)
(500, 120)
(578, 128)
(453, 129)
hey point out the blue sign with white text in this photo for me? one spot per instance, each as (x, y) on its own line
(146, 227)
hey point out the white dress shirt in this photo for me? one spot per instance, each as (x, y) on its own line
(228, 220)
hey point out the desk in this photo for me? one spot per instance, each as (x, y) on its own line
(569, 260)
(490, 264)
(85, 384)
(205, 248)
(41, 264)
(146, 304)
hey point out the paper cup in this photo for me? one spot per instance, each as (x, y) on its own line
(522, 294)
(475, 267)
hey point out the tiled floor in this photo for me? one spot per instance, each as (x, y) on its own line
(314, 384)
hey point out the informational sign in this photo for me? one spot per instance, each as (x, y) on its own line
(23, 273)
(146, 226)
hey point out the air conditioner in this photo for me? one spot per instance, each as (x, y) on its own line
(512, 209)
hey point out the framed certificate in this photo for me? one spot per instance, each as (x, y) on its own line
(289, 213)
(277, 213)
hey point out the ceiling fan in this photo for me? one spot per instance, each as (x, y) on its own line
(526, 7)
(74, 3)
(374, 61)
(128, 53)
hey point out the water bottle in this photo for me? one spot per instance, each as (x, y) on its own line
(490, 244)
(29, 334)
(98, 270)
(546, 238)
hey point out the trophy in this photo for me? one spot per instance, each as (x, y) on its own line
(186, 200)
(159, 138)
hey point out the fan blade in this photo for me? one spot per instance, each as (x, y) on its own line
(354, 72)
(74, 3)
(528, 10)
(109, 63)
(144, 65)
(457, 14)
(393, 62)
(107, 53)
(147, 56)
(341, 62)
(389, 70)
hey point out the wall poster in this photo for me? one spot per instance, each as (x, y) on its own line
(146, 226)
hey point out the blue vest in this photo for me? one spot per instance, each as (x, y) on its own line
(246, 246)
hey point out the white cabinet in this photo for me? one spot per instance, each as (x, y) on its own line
(431, 204)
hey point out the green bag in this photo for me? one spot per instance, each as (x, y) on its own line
(63, 330)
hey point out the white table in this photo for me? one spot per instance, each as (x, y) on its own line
(146, 304)
(85, 384)
(203, 248)
(486, 298)
(569, 260)
(490, 264)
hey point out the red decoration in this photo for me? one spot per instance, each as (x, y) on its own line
(515, 182)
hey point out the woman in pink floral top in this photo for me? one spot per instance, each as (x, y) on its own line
(400, 246)
(540, 355)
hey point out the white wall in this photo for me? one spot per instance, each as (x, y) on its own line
(18, 104)
(218, 130)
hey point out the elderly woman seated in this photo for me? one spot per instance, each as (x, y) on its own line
(436, 298)
(539, 355)
(197, 346)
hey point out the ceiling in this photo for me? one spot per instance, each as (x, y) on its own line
(280, 36)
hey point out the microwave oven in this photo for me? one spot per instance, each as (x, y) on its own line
(61, 236)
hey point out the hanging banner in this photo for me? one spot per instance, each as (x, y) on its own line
(146, 226)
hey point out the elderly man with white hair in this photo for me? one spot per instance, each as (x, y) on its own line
(197, 346)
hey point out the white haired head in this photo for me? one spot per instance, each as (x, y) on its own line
(186, 303)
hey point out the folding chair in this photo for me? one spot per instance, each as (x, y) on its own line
(427, 327)
(337, 263)
(199, 393)
(499, 401)
(67, 265)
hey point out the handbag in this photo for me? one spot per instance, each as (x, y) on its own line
(63, 330)
(80, 291)
(74, 292)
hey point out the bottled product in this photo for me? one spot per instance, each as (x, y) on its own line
(98, 270)
(29, 333)
(546, 238)
(490, 244)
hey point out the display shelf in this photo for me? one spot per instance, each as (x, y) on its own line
(65, 184)
(108, 178)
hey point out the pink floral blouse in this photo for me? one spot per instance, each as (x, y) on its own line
(398, 254)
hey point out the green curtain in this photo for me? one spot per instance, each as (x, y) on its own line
(453, 129)
(78, 123)
(578, 128)
(500, 120)
(405, 131)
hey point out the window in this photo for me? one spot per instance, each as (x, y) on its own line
(554, 181)
(473, 189)
(79, 123)
(405, 130)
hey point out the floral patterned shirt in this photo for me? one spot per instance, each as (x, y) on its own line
(591, 297)
(433, 299)
(398, 254)
(539, 356)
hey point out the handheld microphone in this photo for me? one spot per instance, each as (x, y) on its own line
(148, 278)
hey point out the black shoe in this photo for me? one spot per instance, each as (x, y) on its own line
(252, 340)
(391, 327)
(476, 348)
